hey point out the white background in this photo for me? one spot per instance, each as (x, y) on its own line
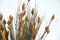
(46, 8)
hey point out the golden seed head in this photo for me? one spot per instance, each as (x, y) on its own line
(47, 29)
(52, 17)
(20, 15)
(27, 18)
(32, 11)
(9, 22)
(38, 19)
(10, 18)
(9, 27)
(23, 6)
(1, 16)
